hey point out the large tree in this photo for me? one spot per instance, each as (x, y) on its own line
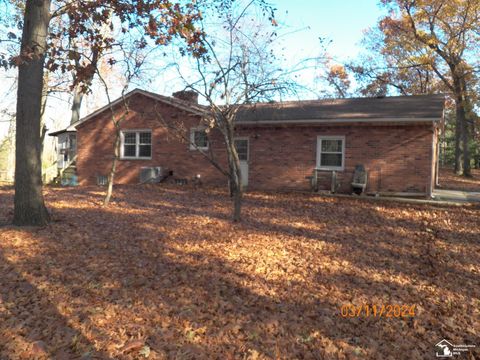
(394, 67)
(159, 21)
(441, 38)
(29, 205)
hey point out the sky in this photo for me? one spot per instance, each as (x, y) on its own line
(302, 22)
(343, 22)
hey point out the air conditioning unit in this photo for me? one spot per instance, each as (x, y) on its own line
(152, 174)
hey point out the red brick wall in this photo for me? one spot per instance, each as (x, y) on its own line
(397, 158)
(96, 139)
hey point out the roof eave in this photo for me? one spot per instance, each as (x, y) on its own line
(338, 121)
(59, 132)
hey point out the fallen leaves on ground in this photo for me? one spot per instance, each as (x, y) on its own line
(163, 273)
(449, 180)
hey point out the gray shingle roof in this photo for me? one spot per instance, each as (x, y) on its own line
(394, 109)
(418, 107)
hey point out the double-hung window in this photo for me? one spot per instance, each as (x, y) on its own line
(136, 144)
(198, 139)
(330, 152)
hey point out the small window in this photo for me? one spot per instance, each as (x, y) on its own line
(198, 139)
(330, 152)
(136, 144)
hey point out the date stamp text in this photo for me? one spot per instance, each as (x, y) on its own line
(374, 310)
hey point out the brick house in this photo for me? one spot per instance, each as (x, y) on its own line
(280, 145)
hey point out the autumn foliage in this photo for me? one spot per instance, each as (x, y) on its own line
(98, 24)
(164, 273)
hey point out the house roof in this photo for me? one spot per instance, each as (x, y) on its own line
(399, 109)
(396, 108)
(70, 128)
(180, 104)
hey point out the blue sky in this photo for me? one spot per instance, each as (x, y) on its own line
(341, 21)
(301, 24)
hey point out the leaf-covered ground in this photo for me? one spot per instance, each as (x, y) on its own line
(448, 180)
(163, 273)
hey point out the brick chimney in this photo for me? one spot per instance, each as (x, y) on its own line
(186, 95)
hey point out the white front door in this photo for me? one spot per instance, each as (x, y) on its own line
(242, 146)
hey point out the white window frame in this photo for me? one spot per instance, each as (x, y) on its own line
(320, 138)
(137, 144)
(193, 146)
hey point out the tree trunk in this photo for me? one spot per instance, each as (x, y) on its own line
(458, 146)
(76, 103)
(236, 190)
(30, 208)
(78, 92)
(461, 132)
(43, 126)
(466, 149)
(113, 169)
(476, 158)
(236, 187)
(462, 112)
(237, 205)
